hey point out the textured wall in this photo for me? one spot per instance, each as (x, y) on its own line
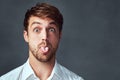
(90, 44)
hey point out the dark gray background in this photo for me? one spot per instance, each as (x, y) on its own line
(90, 44)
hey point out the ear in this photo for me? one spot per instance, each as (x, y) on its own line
(25, 34)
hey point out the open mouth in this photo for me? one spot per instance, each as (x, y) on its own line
(44, 49)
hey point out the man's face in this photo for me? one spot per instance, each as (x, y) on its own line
(43, 37)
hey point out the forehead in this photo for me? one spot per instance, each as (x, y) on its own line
(38, 19)
(41, 21)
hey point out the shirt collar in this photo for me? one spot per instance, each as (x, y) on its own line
(28, 72)
(55, 72)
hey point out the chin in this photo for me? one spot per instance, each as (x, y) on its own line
(44, 59)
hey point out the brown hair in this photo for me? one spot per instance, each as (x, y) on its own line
(44, 10)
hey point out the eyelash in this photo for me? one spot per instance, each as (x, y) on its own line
(52, 30)
(36, 30)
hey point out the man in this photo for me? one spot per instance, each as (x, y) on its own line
(42, 31)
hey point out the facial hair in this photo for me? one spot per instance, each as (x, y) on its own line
(40, 56)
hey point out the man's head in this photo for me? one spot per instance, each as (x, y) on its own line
(42, 31)
(44, 10)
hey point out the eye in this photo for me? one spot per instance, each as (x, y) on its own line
(52, 30)
(36, 30)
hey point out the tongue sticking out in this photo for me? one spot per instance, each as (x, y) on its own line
(44, 49)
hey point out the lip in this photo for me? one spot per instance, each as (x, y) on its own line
(44, 49)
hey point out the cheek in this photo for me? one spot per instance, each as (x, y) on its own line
(33, 40)
(54, 40)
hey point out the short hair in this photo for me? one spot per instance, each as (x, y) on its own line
(44, 10)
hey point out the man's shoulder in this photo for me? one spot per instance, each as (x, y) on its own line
(69, 74)
(13, 74)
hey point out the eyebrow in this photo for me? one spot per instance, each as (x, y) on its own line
(35, 23)
(53, 22)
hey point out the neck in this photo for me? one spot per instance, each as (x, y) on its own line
(41, 69)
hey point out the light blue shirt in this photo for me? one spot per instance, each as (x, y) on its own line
(25, 72)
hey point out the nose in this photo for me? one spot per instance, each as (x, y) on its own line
(44, 34)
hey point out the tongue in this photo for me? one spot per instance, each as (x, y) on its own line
(44, 49)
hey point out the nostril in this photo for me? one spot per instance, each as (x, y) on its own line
(44, 39)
